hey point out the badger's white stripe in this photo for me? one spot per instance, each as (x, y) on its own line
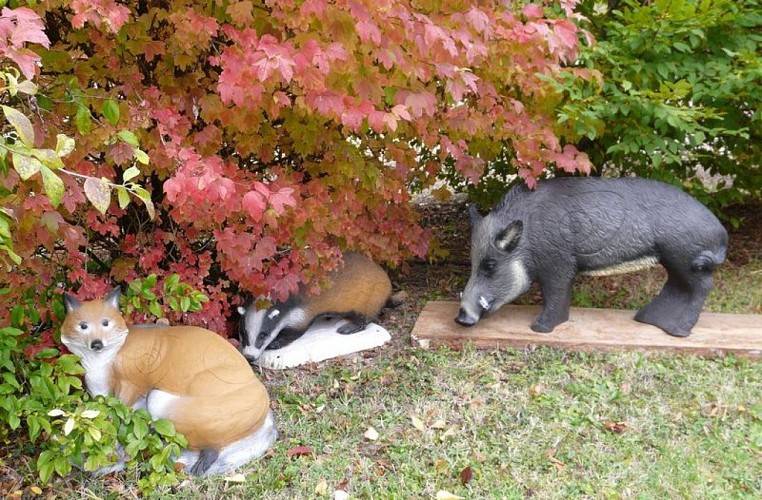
(623, 267)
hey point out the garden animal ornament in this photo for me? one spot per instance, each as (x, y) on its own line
(188, 375)
(357, 293)
(593, 226)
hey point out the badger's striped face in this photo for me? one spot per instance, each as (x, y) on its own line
(261, 327)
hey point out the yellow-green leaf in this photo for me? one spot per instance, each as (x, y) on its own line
(150, 208)
(27, 87)
(26, 166)
(111, 111)
(98, 191)
(21, 124)
(82, 120)
(129, 138)
(64, 145)
(48, 157)
(130, 173)
(123, 196)
(141, 156)
(54, 186)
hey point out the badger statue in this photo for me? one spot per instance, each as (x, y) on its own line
(593, 226)
(357, 293)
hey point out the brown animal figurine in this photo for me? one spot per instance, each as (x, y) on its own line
(188, 375)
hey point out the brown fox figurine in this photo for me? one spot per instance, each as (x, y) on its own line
(188, 375)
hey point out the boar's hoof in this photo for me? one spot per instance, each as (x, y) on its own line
(464, 319)
(541, 327)
(673, 328)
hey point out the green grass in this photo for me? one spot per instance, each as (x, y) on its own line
(541, 423)
(545, 423)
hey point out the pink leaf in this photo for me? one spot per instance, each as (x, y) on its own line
(281, 199)
(254, 204)
(533, 11)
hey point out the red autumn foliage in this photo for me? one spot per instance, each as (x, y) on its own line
(278, 133)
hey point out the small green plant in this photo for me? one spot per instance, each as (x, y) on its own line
(142, 296)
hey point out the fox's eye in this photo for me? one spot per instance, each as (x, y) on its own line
(83, 326)
(104, 322)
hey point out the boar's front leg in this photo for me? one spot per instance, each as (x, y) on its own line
(556, 299)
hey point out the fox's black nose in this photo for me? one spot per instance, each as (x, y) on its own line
(96, 345)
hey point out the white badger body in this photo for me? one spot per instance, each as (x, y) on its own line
(357, 293)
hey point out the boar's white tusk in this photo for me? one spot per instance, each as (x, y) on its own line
(483, 302)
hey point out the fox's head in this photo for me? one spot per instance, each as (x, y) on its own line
(94, 327)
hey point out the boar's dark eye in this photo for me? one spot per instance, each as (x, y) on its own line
(487, 267)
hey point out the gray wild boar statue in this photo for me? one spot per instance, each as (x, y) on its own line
(593, 226)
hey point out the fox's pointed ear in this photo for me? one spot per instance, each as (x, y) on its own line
(113, 297)
(70, 303)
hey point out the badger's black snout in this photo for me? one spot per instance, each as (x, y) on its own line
(463, 319)
(96, 345)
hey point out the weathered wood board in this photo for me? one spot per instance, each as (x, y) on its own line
(590, 330)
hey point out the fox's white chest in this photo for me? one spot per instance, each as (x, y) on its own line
(98, 374)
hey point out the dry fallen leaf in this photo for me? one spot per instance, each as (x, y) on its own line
(615, 427)
(300, 451)
(321, 488)
(446, 495)
(439, 424)
(235, 478)
(559, 464)
(340, 495)
(371, 434)
(417, 423)
(466, 475)
(536, 390)
(449, 432)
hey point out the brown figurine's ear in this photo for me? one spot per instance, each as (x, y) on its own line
(70, 303)
(113, 297)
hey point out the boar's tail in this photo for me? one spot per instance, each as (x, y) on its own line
(707, 260)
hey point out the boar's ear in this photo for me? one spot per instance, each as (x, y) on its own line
(70, 303)
(474, 214)
(112, 298)
(508, 239)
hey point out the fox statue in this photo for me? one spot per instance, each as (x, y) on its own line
(188, 375)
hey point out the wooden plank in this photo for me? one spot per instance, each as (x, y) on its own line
(590, 330)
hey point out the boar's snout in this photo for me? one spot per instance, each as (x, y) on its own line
(464, 319)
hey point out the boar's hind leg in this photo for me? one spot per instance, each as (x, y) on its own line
(556, 299)
(676, 309)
